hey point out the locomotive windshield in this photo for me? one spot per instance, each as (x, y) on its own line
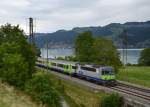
(107, 71)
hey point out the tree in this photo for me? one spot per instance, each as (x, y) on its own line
(37, 50)
(83, 47)
(145, 57)
(13, 66)
(105, 53)
(42, 89)
(17, 57)
(96, 50)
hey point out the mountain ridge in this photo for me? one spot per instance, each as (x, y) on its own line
(138, 35)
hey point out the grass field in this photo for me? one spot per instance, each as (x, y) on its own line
(136, 75)
(79, 96)
(82, 96)
(10, 97)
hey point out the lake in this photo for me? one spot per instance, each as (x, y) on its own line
(132, 54)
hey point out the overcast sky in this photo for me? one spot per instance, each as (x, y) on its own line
(52, 15)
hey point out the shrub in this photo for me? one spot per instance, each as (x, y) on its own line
(14, 70)
(60, 58)
(113, 100)
(41, 88)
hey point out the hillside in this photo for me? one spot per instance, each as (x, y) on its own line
(138, 35)
(10, 97)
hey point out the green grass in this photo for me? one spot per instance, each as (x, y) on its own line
(2, 104)
(11, 97)
(136, 75)
(79, 96)
(70, 101)
(82, 96)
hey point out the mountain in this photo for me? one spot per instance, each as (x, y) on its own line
(138, 34)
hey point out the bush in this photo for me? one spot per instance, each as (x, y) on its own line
(41, 88)
(14, 70)
(60, 58)
(114, 100)
(70, 58)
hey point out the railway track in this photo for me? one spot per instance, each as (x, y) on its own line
(146, 90)
(134, 91)
(126, 89)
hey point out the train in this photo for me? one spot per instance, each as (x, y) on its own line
(104, 75)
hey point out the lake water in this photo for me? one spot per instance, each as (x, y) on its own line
(132, 54)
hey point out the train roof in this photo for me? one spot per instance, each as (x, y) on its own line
(75, 63)
(59, 61)
(64, 62)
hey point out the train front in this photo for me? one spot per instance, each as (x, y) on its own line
(108, 76)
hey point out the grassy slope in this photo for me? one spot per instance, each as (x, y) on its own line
(83, 96)
(10, 97)
(79, 96)
(137, 75)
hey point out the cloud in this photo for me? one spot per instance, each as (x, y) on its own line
(52, 15)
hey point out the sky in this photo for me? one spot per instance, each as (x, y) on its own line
(53, 15)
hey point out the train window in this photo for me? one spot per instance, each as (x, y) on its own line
(60, 65)
(89, 69)
(111, 73)
(103, 72)
(66, 66)
(107, 72)
(53, 64)
(74, 67)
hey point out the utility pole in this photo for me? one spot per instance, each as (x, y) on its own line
(124, 39)
(47, 52)
(125, 45)
(31, 31)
